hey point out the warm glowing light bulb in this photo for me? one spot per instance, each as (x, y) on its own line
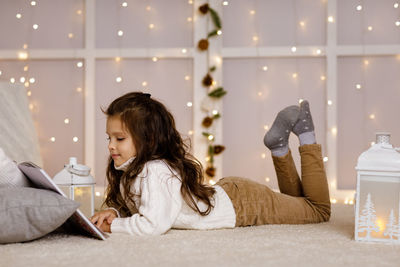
(263, 155)
(323, 78)
(219, 32)
(214, 83)
(267, 179)
(294, 75)
(33, 3)
(117, 59)
(372, 116)
(75, 139)
(266, 127)
(144, 83)
(12, 80)
(215, 112)
(22, 79)
(189, 104)
(301, 100)
(187, 78)
(148, 8)
(26, 68)
(190, 132)
(369, 28)
(325, 159)
(366, 62)
(259, 93)
(124, 4)
(396, 5)
(184, 51)
(372, 143)
(358, 86)
(397, 23)
(79, 89)
(25, 46)
(210, 137)
(294, 49)
(330, 19)
(18, 16)
(218, 60)
(66, 121)
(225, 3)
(151, 26)
(255, 38)
(79, 64)
(252, 12)
(155, 59)
(53, 139)
(302, 23)
(120, 33)
(97, 194)
(190, 2)
(22, 55)
(1, 72)
(359, 7)
(318, 51)
(35, 26)
(329, 102)
(26, 84)
(118, 79)
(70, 35)
(189, 19)
(333, 200)
(211, 182)
(29, 93)
(79, 12)
(265, 68)
(334, 130)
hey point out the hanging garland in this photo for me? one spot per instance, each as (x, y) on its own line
(212, 93)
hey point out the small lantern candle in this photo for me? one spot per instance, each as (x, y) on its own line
(377, 215)
(77, 183)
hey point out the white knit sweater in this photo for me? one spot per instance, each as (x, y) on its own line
(161, 206)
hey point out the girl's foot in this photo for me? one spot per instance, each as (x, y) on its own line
(304, 127)
(277, 138)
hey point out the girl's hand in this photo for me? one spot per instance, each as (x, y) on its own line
(103, 219)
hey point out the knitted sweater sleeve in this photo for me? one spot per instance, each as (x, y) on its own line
(160, 203)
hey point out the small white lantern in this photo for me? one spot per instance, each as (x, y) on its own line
(377, 215)
(77, 183)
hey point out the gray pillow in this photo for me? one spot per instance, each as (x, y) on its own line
(30, 213)
(10, 175)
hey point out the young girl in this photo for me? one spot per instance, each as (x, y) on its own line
(154, 184)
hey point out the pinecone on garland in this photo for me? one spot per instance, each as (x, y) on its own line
(204, 9)
(210, 171)
(207, 121)
(203, 44)
(207, 80)
(218, 149)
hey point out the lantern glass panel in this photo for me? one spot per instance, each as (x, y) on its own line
(378, 207)
(83, 195)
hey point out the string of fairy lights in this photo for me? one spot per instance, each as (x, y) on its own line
(301, 24)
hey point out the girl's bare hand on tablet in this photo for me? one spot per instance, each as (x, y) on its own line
(103, 219)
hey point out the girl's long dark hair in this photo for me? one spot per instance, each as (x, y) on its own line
(154, 134)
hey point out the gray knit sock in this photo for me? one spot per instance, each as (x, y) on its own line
(304, 127)
(277, 138)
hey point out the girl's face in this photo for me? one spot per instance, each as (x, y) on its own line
(120, 145)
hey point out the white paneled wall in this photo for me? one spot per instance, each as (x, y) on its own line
(332, 39)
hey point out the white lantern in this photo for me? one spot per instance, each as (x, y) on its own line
(377, 215)
(77, 183)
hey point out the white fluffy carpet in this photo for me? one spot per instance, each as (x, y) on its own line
(326, 244)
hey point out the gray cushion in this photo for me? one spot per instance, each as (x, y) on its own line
(10, 175)
(30, 213)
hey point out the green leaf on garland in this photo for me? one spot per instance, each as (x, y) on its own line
(213, 68)
(215, 18)
(206, 134)
(217, 93)
(217, 116)
(212, 33)
(211, 153)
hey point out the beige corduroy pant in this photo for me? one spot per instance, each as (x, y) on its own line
(300, 201)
